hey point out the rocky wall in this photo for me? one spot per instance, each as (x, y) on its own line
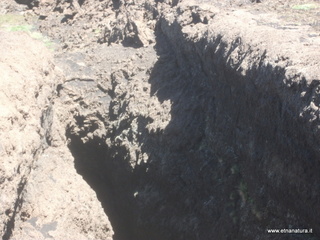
(42, 196)
(188, 120)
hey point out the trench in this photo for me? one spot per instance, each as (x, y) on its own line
(233, 160)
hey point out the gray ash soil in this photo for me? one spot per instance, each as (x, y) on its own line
(190, 120)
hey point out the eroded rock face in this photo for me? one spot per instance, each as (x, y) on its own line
(27, 85)
(80, 24)
(40, 189)
(213, 142)
(260, 152)
(188, 122)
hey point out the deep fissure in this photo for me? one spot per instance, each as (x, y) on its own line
(187, 120)
(99, 170)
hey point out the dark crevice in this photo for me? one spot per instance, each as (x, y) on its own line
(116, 4)
(29, 3)
(9, 226)
(109, 177)
(67, 17)
(81, 2)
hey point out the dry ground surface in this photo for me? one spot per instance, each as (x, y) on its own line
(284, 14)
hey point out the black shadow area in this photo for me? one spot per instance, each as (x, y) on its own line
(108, 177)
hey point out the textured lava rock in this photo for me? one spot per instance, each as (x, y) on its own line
(188, 119)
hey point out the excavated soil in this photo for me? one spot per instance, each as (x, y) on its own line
(159, 120)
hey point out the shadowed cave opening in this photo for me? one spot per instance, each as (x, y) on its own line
(110, 178)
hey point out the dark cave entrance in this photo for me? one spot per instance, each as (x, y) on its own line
(110, 179)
